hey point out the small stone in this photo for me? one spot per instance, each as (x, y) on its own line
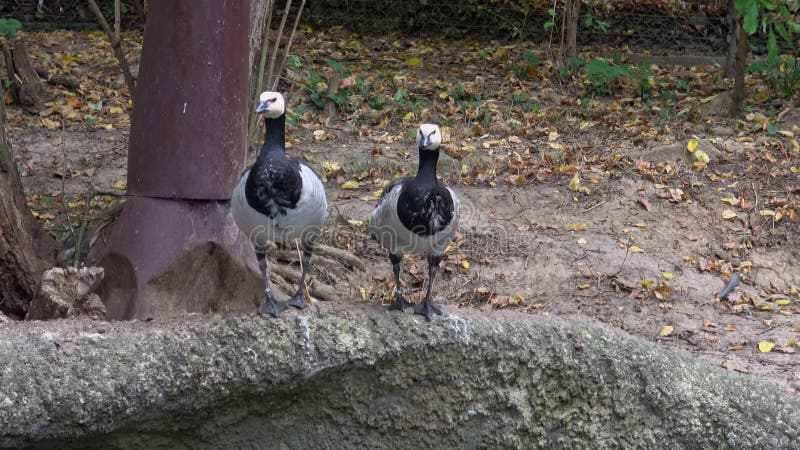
(67, 292)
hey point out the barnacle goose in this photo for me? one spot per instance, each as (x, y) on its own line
(417, 215)
(278, 199)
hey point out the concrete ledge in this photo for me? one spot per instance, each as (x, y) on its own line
(364, 377)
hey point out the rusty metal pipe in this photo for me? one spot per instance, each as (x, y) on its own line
(175, 248)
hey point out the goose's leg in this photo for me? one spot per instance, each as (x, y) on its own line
(426, 308)
(270, 305)
(400, 302)
(298, 300)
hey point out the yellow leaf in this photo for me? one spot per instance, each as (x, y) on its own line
(702, 157)
(691, 145)
(553, 136)
(765, 346)
(363, 292)
(408, 117)
(660, 186)
(350, 184)
(666, 330)
(355, 222)
(635, 249)
(465, 264)
(728, 214)
(667, 275)
(782, 301)
(330, 167)
(115, 110)
(767, 212)
(50, 124)
(582, 241)
(731, 201)
(577, 226)
(414, 62)
(121, 185)
(575, 184)
(108, 126)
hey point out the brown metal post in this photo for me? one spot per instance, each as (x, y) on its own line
(175, 248)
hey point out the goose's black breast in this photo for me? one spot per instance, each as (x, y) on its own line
(273, 187)
(425, 210)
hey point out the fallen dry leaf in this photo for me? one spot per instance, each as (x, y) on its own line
(736, 367)
(765, 346)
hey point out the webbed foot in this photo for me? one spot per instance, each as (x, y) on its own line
(400, 304)
(272, 307)
(427, 309)
(298, 300)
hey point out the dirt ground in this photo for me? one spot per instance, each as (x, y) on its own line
(645, 242)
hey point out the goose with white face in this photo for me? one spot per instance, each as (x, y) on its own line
(429, 136)
(271, 105)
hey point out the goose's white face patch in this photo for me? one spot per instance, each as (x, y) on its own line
(429, 137)
(271, 104)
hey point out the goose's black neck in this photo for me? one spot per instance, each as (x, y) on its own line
(275, 139)
(427, 165)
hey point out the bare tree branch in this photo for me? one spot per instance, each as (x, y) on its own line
(116, 43)
(271, 77)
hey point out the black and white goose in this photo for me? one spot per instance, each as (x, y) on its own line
(278, 199)
(417, 215)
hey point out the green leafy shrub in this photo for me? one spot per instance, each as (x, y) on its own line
(9, 27)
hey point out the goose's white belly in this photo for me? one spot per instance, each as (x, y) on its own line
(303, 222)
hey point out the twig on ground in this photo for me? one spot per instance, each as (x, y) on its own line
(321, 290)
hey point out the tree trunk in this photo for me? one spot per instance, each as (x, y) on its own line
(569, 48)
(26, 86)
(363, 377)
(23, 245)
(736, 62)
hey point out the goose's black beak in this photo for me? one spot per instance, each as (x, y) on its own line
(264, 106)
(426, 140)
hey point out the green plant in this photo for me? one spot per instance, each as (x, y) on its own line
(294, 61)
(9, 27)
(775, 19)
(602, 76)
(644, 79)
(684, 85)
(552, 14)
(783, 76)
(485, 52)
(591, 21)
(529, 67)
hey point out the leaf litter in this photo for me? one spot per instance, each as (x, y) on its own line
(541, 164)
